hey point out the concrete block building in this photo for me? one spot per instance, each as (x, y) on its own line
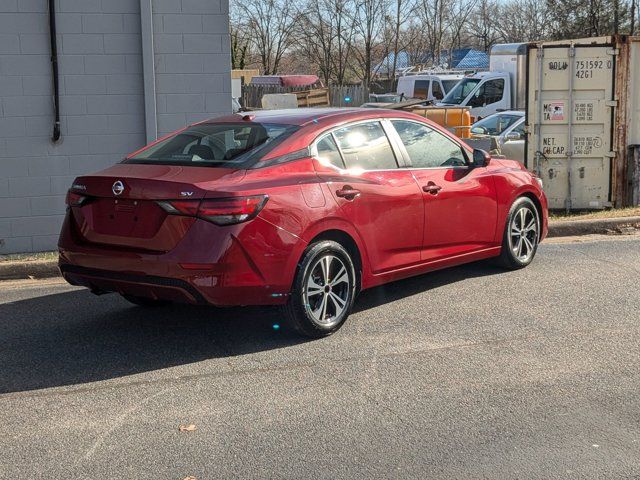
(128, 72)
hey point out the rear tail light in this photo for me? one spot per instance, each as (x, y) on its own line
(181, 207)
(221, 211)
(75, 199)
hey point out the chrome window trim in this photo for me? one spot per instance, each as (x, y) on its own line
(463, 148)
(397, 154)
(313, 148)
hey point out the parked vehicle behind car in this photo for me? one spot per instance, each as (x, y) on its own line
(428, 86)
(503, 87)
(508, 130)
(300, 208)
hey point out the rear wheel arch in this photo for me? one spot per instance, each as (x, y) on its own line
(349, 244)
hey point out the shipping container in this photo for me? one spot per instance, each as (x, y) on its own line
(583, 120)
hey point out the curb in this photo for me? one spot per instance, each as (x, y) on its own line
(596, 226)
(31, 269)
(16, 270)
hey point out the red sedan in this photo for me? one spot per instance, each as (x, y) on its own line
(299, 208)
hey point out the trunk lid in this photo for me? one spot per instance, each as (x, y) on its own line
(121, 208)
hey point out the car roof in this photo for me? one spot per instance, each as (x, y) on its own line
(419, 76)
(300, 116)
(430, 76)
(314, 121)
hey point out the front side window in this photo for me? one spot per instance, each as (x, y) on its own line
(216, 144)
(428, 148)
(366, 146)
(489, 92)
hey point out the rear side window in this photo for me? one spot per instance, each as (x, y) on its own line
(421, 88)
(328, 151)
(428, 148)
(366, 146)
(216, 144)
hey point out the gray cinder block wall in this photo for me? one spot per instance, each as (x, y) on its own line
(104, 114)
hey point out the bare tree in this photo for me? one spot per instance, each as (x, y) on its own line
(270, 27)
(369, 18)
(433, 14)
(483, 23)
(404, 11)
(344, 40)
(523, 21)
(588, 18)
(458, 22)
(239, 47)
(325, 35)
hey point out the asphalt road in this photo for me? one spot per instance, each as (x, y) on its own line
(466, 373)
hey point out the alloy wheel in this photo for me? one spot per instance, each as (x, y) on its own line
(523, 234)
(327, 290)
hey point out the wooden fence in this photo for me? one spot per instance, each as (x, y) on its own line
(339, 96)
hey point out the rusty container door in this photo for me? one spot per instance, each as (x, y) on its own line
(569, 121)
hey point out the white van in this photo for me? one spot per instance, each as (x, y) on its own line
(427, 86)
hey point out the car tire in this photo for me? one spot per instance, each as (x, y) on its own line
(521, 235)
(323, 291)
(145, 302)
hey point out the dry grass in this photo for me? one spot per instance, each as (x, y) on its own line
(30, 257)
(612, 213)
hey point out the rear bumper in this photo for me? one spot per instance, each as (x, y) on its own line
(199, 288)
(246, 264)
(149, 286)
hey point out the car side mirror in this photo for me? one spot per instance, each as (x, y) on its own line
(480, 158)
(512, 136)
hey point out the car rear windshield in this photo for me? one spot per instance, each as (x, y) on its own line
(228, 145)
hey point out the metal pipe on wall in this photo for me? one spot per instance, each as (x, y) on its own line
(148, 70)
(54, 67)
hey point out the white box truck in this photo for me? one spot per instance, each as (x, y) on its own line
(503, 87)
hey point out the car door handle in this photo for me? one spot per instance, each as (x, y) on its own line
(432, 188)
(347, 192)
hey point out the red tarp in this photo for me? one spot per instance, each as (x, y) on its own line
(285, 80)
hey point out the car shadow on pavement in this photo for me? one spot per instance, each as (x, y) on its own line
(393, 291)
(74, 337)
